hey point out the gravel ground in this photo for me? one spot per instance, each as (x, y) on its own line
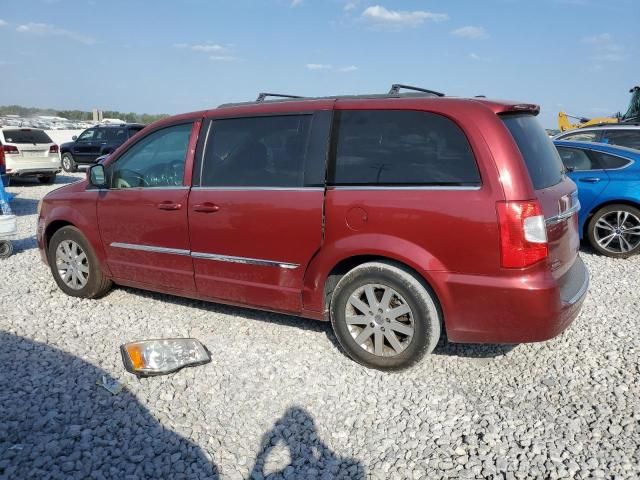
(280, 400)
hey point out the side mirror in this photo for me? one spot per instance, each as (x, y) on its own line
(75, 137)
(97, 176)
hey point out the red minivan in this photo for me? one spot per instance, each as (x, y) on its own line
(398, 217)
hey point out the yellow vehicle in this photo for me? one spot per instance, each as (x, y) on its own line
(632, 115)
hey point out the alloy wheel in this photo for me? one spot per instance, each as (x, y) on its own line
(380, 320)
(72, 264)
(618, 231)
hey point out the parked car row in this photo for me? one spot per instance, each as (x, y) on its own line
(396, 217)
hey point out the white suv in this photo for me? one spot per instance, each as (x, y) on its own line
(620, 134)
(29, 152)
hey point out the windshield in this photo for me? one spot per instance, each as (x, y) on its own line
(26, 135)
(539, 153)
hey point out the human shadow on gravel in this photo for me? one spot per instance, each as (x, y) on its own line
(56, 422)
(308, 456)
(23, 206)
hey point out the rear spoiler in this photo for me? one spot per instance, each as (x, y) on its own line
(521, 108)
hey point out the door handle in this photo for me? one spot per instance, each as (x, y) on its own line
(590, 180)
(206, 207)
(169, 206)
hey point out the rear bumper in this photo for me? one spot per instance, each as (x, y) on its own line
(29, 172)
(523, 308)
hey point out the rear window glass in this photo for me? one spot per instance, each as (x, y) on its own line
(624, 138)
(395, 147)
(26, 136)
(539, 153)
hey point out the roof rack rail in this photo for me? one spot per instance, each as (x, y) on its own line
(262, 96)
(396, 87)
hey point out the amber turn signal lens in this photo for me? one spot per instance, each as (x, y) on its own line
(162, 356)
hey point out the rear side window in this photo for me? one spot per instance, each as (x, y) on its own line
(537, 149)
(26, 136)
(401, 147)
(610, 162)
(257, 152)
(116, 135)
(576, 159)
(624, 138)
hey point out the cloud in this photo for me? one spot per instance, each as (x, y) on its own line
(44, 29)
(3, 23)
(296, 3)
(203, 47)
(224, 58)
(326, 67)
(605, 49)
(318, 66)
(478, 58)
(351, 5)
(475, 33)
(396, 19)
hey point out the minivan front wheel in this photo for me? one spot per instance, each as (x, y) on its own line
(384, 317)
(68, 163)
(614, 231)
(74, 266)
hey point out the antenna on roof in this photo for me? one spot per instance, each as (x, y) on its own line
(262, 96)
(396, 87)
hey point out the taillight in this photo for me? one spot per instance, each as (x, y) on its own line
(2, 162)
(10, 149)
(523, 233)
(54, 149)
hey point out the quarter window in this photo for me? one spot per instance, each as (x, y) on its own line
(155, 161)
(392, 147)
(257, 152)
(610, 162)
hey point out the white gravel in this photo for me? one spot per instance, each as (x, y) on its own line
(280, 400)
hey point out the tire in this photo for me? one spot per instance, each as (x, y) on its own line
(6, 248)
(406, 291)
(68, 163)
(614, 231)
(48, 179)
(93, 284)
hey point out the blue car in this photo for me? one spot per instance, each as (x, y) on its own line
(608, 180)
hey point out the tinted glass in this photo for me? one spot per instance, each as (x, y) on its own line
(257, 152)
(581, 137)
(391, 147)
(576, 159)
(134, 130)
(610, 161)
(623, 138)
(26, 136)
(537, 149)
(116, 135)
(155, 161)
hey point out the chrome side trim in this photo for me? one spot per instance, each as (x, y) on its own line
(413, 187)
(149, 248)
(245, 189)
(564, 215)
(244, 260)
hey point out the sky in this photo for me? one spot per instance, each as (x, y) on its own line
(165, 56)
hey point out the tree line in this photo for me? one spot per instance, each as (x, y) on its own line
(79, 115)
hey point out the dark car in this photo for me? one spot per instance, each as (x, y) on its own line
(95, 142)
(396, 217)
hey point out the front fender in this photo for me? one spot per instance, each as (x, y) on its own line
(385, 246)
(81, 213)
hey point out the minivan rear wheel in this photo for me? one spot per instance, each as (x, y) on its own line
(384, 317)
(614, 231)
(75, 266)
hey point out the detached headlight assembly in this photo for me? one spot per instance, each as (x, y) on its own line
(147, 358)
